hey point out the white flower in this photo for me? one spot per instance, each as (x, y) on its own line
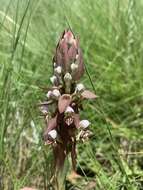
(53, 79)
(74, 67)
(49, 94)
(84, 124)
(69, 110)
(79, 87)
(56, 93)
(53, 134)
(68, 77)
(58, 70)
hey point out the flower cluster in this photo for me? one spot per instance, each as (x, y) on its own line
(64, 101)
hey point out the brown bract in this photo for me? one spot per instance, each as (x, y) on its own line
(88, 94)
(64, 102)
(52, 124)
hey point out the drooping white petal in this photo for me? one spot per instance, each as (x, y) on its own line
(84, 124)
(53, 134)
(69, 110)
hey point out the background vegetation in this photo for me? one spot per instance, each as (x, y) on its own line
(111, 37)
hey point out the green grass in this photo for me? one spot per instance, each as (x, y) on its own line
(111, 37)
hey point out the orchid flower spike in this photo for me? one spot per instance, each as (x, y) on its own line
(65, 99)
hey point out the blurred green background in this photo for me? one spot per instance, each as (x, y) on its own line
(111, 37)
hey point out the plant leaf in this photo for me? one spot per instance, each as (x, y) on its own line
(64, 102)
(88, 94)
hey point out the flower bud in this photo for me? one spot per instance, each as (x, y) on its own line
(84, 124)
(79, 87)
(68, 80)
(67, 77)
(74, 67)
(58, 70)
(53, 134)
(56, 93)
